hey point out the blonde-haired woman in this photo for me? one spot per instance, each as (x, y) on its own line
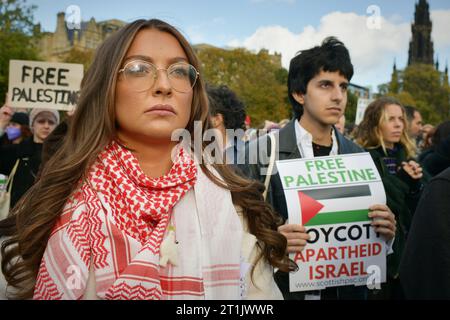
(122, 211)
(383, 133)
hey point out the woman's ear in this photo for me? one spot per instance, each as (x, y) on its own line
(299, 97)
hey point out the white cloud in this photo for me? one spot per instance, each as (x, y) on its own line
(441, 26)
(196, 33)
(372, 50)
(218, 20)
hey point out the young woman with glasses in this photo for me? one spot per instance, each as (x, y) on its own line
(123, 212)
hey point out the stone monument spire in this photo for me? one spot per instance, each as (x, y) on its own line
(421, 47)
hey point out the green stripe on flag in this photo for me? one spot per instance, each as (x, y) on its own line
(339, 217)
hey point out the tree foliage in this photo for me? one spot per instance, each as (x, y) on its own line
(256, 78)
(83, 57)
(425, 88)
(352, 104)
(17, 34)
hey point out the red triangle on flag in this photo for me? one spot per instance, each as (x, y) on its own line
(310, 207)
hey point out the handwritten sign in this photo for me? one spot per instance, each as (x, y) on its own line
(34, 84)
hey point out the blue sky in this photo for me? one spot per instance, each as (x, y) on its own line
(285, 26)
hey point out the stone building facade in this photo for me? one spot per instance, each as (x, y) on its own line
(55, 46)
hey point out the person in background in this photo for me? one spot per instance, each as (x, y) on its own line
(383, 133)
(425, 138)
(415, 124)
(17, 130)
(436, 158)
(227, 115)
(425, 266)
(13, 126)
(340, 125)
(27, 153)
(227, 112)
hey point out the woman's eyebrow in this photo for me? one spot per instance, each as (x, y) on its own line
(138, 57)
(149, 59)
(178, 59)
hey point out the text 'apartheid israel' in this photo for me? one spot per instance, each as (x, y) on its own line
(331, 197)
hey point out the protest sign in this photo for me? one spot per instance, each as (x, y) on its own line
(361, 109)
(35, 84)
(330, 196)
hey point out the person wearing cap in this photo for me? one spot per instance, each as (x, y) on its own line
(13, 126)
(28, 152)
(17, 129)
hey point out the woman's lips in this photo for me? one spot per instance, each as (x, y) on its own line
(163, 110)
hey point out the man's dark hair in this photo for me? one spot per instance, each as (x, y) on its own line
(409, 110)
(331, 56)
(224, 101)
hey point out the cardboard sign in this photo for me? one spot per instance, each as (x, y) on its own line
(34, 84)
(331, 196)
(361, 109)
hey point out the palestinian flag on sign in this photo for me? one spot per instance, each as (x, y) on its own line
(313, 202)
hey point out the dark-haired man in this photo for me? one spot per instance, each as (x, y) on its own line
(415, 124)
(227, 111)
(317, 88)
(227, 115)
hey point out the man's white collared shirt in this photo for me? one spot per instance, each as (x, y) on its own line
(305, 142)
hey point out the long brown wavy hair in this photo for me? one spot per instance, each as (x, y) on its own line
(368, 134)
(92, 128)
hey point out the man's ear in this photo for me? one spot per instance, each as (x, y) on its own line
(299, 97)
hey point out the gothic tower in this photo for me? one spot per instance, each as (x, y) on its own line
(421, 46)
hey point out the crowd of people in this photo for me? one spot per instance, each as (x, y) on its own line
(109, 206)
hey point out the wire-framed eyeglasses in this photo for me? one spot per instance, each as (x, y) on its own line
(142, 75)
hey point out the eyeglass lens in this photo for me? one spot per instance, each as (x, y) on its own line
(142, 76)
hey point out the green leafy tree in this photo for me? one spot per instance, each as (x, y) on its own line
(350, 110)
(422, 86)
(394, 86)
(383, 89)
(83, 57)
(17, 34)
(256, 78)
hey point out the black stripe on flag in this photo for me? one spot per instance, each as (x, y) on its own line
(338, 192)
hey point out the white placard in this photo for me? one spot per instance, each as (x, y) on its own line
(331, 196)
(35, 84)
(361, 109)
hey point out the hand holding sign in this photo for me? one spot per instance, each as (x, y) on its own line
(383, 220)
(296, 237)
(5, 115)
(328, 198)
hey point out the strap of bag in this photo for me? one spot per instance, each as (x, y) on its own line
(273, 144)
(11, 176)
